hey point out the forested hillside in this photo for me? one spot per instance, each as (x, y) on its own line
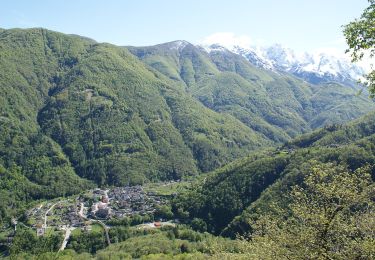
(231, 147)
(72, 107)
(76, 114)
(301, 201)
(74, 110)
(32, 165)
(233, 197)
(278, 105)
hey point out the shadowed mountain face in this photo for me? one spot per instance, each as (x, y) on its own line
(277, 105)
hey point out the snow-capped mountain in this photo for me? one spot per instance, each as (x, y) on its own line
(178, 45)
(255, 56)
(322, 67)
(312, 67)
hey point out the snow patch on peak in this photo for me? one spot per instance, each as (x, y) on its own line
(213, 47)
(281, 57)
(318, 65)
(326, 64)
(178, 45)
(255, 56)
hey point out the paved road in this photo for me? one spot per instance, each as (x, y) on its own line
(68, 231)
(40, 206)
(106, 231)
(80, 213)
(45, 215)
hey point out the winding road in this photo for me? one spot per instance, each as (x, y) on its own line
(40, 206)
(68, 231)
(105, 229)
(80, 213)
(46, 215)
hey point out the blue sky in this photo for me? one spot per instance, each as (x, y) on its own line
(298, 24)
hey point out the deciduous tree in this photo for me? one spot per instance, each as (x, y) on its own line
(331, 216)
(360, 37)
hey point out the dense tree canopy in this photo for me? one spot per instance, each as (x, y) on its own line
(73, 110)
(232, 196)
(330, 216)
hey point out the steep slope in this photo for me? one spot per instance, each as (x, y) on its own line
(351, 145)
(72, 107)
(249, 186)
(278, 106)
(32, 165)
(74, 110)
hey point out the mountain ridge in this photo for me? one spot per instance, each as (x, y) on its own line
(315, 67)
(75, 113)
(233, 197)
(196, 68)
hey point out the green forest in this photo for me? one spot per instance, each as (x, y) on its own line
(244, 162)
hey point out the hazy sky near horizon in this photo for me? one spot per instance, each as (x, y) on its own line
(303, 25)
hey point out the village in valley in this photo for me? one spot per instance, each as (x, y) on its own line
(97, 207)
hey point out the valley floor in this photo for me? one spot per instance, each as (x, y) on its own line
(96, 208)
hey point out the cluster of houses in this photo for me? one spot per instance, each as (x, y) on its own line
(122, 201)
(66, 216)
(58, 216)
(100, 204)
(127, 201)
(100, 208)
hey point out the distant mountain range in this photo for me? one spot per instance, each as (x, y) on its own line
(267, 97)
(313, 67)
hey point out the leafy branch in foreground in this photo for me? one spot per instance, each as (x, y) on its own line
(360, 37)
(330, 216)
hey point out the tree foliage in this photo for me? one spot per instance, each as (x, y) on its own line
(241, 191)
(360, 37)
(276, 106)
(73, 110)
(330, 216)
(27, 242)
